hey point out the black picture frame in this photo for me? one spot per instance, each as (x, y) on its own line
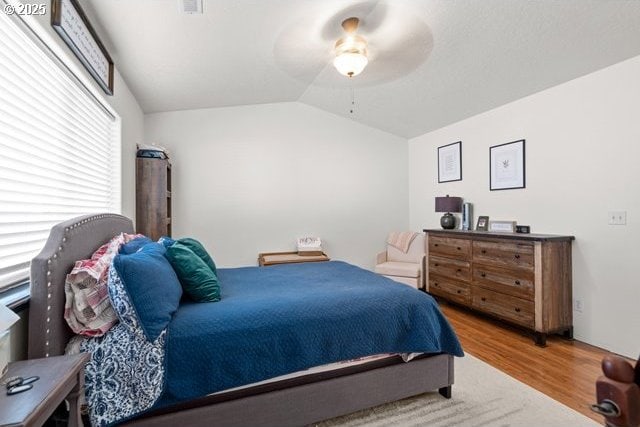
(507, 166)
(68, 34)
(455, 151)
(483, 223)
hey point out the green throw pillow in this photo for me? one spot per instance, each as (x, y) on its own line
(199, 250)
(196, 278)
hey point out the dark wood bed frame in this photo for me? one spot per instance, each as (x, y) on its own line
(293, 404)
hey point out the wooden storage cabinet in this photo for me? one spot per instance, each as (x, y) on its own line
(153, 197)
(522, 279)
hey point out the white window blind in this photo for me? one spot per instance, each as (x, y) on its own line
(59, 149)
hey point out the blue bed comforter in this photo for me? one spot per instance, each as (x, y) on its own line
(276, 320)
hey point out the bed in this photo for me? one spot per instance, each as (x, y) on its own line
(295, 401)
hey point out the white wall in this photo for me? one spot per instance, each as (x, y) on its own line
(252, 179)
(582, 160)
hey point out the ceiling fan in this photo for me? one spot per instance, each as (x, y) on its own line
(351, 50)
(387, 38)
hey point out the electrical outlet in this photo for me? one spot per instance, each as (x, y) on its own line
(577, 305)
(617, 218)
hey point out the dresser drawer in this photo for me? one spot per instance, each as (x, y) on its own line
(516, 310)
(454, 291)
(451, 268)
(450, 247)
(518, 283)
(513, 255)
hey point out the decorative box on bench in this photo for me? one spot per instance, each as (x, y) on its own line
(309, 246)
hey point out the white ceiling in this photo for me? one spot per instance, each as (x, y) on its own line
(433, 62)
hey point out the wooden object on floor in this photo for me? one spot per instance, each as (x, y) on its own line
(564, 370)
(274, 258)
(61, 378)
(520, 278)
(153, 197)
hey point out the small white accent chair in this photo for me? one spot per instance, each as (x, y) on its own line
(407, 268)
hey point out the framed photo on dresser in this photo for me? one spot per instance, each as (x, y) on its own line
(483, 223)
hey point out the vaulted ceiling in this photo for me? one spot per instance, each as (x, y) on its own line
(432, 62)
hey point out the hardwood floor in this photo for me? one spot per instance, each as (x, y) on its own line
(564, 370)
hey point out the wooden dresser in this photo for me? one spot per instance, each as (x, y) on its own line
(523, 279)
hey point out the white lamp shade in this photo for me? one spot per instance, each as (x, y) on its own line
(350, 63)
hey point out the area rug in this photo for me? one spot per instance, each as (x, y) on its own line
(482, 396)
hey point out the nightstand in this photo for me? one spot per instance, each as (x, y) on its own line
(274, 258)
(61, 378)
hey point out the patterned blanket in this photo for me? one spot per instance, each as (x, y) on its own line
(125, 375)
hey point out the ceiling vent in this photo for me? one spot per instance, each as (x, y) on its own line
(190, 6)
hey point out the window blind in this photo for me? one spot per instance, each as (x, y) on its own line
(59, 150)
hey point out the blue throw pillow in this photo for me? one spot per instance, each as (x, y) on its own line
(134, 245)
(152, 285)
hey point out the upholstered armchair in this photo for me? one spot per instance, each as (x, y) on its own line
(405, 267)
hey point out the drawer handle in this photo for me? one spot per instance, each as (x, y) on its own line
(435, 244)
(436, 264)
(517, 310)
(459, 271)
(483, 274)
(459, 248)
(459, 291)
(484, 251)
(483, 299)
(518, 282)
(517, 256)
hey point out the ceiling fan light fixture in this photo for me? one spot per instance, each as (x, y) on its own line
(351, 51)
(350, 64)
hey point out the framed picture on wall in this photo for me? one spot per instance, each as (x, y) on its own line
(507, 166)
(73, 26)
(450, 162)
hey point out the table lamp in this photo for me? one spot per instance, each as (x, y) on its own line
(448, 204)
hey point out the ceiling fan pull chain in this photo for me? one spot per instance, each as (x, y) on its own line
(353, 100)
